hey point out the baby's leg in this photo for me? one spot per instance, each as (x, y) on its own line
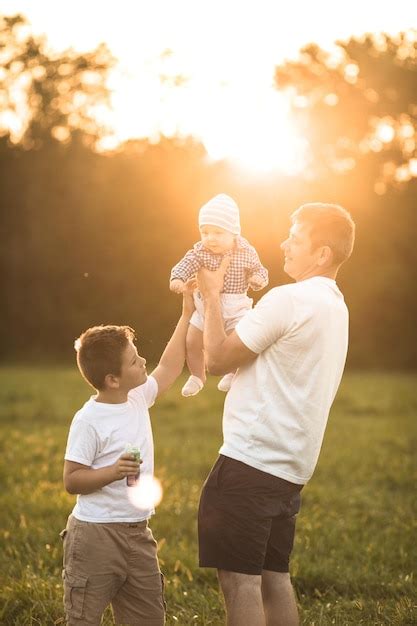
(195, 362)
(195, 352)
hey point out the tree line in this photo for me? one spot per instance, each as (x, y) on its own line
(89, 237)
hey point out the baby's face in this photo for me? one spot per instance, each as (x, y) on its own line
(216, 239)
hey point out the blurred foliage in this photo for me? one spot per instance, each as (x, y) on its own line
(89, 238)
(358, 104)
(54, 94)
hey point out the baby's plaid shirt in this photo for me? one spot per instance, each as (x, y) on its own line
(244, 264)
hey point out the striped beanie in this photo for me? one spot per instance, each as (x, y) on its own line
(221, 211)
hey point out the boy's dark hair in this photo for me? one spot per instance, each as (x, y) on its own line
(330, 225)
(99, 352)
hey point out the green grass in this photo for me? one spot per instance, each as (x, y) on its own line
(355, 552)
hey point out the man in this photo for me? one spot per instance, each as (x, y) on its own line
(290, 350)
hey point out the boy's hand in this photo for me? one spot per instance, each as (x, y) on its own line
(190, 286)
(177, 285)
(188, 305)
(256, 281)
(125, 466)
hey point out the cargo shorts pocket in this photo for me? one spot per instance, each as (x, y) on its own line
(163, 591)
(74, 593)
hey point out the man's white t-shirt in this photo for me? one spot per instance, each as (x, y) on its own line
(276, 411)
(98, 436)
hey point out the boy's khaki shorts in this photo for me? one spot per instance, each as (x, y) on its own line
(111, 563)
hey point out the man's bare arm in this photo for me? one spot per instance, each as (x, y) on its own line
(224, 353)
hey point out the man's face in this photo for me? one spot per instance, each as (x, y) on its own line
(133, 370)
(300, 261)
(216, 239)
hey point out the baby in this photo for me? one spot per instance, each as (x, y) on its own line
(219, 224)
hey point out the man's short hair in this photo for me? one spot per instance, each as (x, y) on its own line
(99, 352)
(330, 225)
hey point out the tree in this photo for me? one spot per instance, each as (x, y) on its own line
(46, 96)
(358, 105)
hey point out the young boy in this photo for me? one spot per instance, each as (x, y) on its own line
(109, 551)
(219, 224)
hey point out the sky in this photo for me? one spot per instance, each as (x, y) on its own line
(225, 49)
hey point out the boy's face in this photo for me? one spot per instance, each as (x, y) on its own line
(216, 239)
(133, 369)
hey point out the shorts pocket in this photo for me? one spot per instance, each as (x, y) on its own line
(163, 591)
(294, 505)
(213, 479)
(74, 593)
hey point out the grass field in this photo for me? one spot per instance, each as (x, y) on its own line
(356, 543)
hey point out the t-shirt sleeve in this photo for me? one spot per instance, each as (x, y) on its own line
(270, 319)
(82, 444)
(148, 391)
(187, 267)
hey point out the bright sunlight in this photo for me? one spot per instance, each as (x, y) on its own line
(205, 69)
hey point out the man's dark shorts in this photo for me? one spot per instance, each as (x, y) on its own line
(246, 519)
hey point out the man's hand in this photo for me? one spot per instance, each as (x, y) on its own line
(177, 285)
(211, 283)
(125, 466)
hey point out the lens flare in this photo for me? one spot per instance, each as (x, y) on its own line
(147, 493)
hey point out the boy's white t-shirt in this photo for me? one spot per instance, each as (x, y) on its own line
(98, 436)
(276, 411)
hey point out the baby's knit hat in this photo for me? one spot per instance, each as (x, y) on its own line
(221, 211)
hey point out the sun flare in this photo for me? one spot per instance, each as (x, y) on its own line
(251, 128)
(147, 493)
(260, 137)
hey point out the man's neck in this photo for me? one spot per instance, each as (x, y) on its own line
(327, 273)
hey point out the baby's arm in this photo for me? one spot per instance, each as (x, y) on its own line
(257, 281)
(258, 274)
(183, 271)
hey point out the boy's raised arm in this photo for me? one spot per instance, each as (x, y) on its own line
(172, 360)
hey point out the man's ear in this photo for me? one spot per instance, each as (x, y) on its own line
(325, 256)
(111, 381)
